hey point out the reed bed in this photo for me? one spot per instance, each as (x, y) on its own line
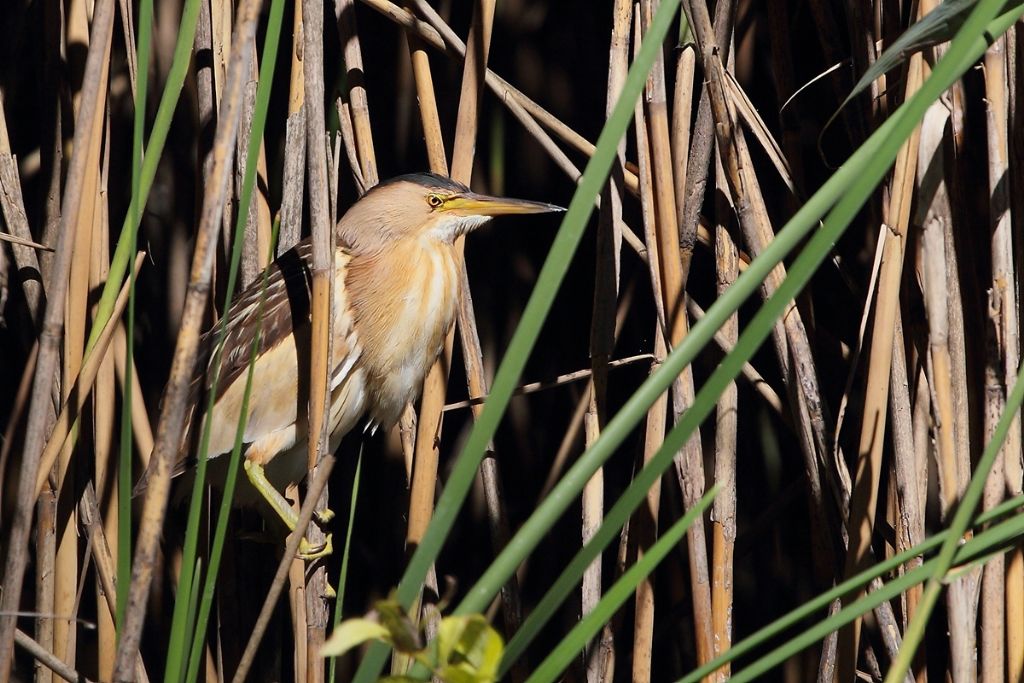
(749, 409)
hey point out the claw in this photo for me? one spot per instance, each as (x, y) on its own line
(324, 516)
(308, 552)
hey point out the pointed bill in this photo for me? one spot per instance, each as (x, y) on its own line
(473, 204)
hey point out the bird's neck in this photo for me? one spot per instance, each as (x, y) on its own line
(403, 300)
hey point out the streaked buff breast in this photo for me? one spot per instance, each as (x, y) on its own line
(404, 304)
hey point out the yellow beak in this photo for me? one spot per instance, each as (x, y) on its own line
(473, 204)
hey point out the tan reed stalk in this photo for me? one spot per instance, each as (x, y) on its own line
(1003, 310)
(51, 333)
(90, 515)
(1014, 597)
(723, 517)
(322, 309)
(645, 520)
(45, 661)
(872, 435)
(602, 337)
(297, 603)
(945, 314)
(81, 385)
(90, 222)
(428, 424)
(290, 232)
(432, 31)
(360, 110)
(421, 434)
(12, 204)
(792, 347)
(104, 414)
(682, 114)
(256, 244)
(293, 174)
(182, 368)
(45, 553)
(142, 429)
(697, 167)
(314, 493)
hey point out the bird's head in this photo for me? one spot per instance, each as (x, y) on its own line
(423, 205)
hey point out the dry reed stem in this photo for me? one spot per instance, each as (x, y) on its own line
(13, 206)
(428, 424)
(46, 659)
(142, 429)
(81, 384)
(1014, 597)
(645, 520)
(432, 31)
(425, 428)
(183, 366)
(45, 556)
(602, 330)
(945, 319)
(293, 174)
(682, 115)
(104, 417)
(93, 523)
(723, 515)
(645, 527)
(322, 303)
(297, 600)
(313, 494)
(792, 346)
(702, 134)
(51, 332)
(430, 123)
(289, 233)
(360, 110)
(1005, 350)
(864, 500)
(88, 222)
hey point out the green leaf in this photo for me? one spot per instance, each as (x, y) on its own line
(353, 633)
(936, 27)
(403, 634)
(468, 645)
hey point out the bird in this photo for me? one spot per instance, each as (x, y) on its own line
(395, 292)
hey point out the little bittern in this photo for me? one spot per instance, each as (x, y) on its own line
(396, 283)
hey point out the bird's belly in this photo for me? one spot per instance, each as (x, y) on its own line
(403, 325)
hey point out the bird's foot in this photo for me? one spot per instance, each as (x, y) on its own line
(308, 551)
(324, 516)
(329, 592)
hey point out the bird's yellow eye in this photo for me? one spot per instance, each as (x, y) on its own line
(434, 200)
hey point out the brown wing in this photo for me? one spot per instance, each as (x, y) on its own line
(285, 310)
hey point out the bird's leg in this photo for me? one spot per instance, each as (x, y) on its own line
(258, 478)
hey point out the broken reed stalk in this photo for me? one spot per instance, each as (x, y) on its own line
(175, 402)
(51, 332)
(360, 110)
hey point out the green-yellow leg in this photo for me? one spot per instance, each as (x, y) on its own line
(258, 478)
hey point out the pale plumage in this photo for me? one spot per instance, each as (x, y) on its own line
(395, 292)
